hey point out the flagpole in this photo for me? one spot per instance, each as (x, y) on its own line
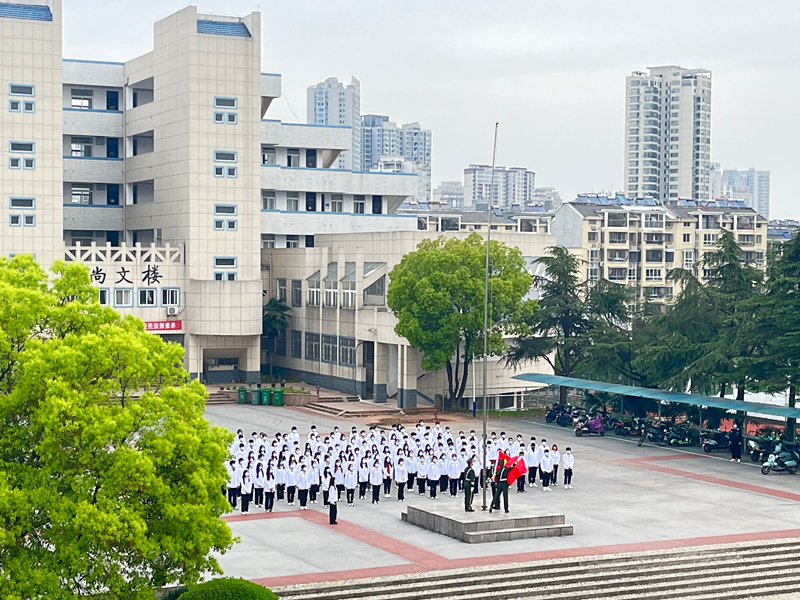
(486, 317)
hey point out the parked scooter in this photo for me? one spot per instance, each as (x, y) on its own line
(717, 441)
(591, 427)
(567, 419)
(783, 459)
(761, 449)
(632, 427)
(681, 436)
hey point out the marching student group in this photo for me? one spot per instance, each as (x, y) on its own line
(337, 467)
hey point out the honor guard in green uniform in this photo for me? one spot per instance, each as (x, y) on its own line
(469, 486)
(501, 478)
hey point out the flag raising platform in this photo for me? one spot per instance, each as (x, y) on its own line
(480, 526)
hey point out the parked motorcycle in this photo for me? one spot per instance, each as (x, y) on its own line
(654, 434)
(626, 428)
(568, 418)
(783, 459)
(761, 449)
(591, 427)
(681, 436)
(717, 441)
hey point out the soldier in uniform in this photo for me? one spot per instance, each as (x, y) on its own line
(469, 486)
(501, 478)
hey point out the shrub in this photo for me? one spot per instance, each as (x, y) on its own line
(228, 589)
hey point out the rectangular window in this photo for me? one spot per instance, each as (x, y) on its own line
(219, 117)
(709, 239)
(112, 100)
(347, 351)
(82, 99)
(292, 201)
(21, 89)
(231, 276)
(29, 106)
(267, 240)
(221, 262)
(219, 276)
(297, 292)
(15, 106)
(15, 220)
(268, 155)
(311, 201)
(147, 296)
(112, 147)
(219, 171)
(654, 256)
(331, 293)
(219, 224)
(313, 292)
(267, 200)
(226, 102)
(81, 193)
(330, 348)
(123, 297)
(231, 224)
(29, 163)
(311, 159)
(231, 118)
(170, 296)
(617, 237)
(348, 294)
(358, 204)
(225, 156)
(292, 241)
(337, 203)
(377, 205)
(81, 147)
(226, 209)
(652, 274)
(312, 346)
(29, 220)
(233, 172)
(24, 203)
(292, 157)
(26, 147)
(687, 238)
(592, 236)
(282, 289)
(297, 344)
(102, 296)
(15, 162)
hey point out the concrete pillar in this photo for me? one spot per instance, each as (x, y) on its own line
(407, 378)
(252, 358)
(381, 374)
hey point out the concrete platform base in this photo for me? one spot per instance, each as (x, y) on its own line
(480, 527)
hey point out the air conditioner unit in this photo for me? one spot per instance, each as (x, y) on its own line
(172, 311)
(594, 227)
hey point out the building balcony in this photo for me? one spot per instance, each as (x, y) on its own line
(299, 135)
(270, 89)
(95, 123)
(94, 169)
(336, 181)
(314, 223)
(97, 217)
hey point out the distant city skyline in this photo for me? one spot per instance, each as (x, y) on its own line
(553, 75)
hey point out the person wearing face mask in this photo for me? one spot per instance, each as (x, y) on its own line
(363, 479)
(501, 486)
(546, 468)
(539, 454)
(569, 464)
(530, 461)
(401, 479)
(453, 474)
(375, 480)
(735, 445)
(333, 499)
(247, 492)
(521, 478)
(234, 481)
(555, 455)
(469, 486)
(302, 486)
(350, 481)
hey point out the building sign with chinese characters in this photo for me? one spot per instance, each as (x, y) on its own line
(158, 326)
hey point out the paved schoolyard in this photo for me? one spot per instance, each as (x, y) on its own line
(625, 498)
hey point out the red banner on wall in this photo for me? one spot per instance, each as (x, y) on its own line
(156, 326)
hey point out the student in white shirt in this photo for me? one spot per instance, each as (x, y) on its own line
(546, 468)
(269, 490)
(363, 479)
(247, 492)
(401, 479)
(433, 477)
(280, 481)
(258, 485)
(302, 486)
(555, 455)
(388, 475)
(291, 481)
(375, 480)
(350, 481)
(333, 499)
(325, 485)
(569, 464)
(313, 480)
(453, 474)
(233, 483)
(530, 462)
(422, 473)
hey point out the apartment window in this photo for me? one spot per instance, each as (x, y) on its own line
(652, 274)
(112, 100)
(292, 241)
(268, 155)
(292, 157)
(348, 294)
(617, 255)
(297, 344)
(15, 105)
(232, 172)
(669, 256)
(687, 238)
(347, 351)
(123, 297)
(147, 296)
(337, 203)
(330, 348)
(231, 225)
(226, 102)
(15, 220)
(226, 209)
(219, 224)
(377, 205)
(225, 156)
(688, 259)
(654, 256)
(311, 201)
(170, 296)
(313, 292)
(312, 346)
(81, 193)
(617, 274)
(102, 296)
(282, 289)
(82, 99)
(267, 200)
(21, 89)
(219, 171)
(15, 162)
(81, 147)
(23, 147)
(709, 239)
(292, 201)
(267, 240)
(331, 293)
(617, 237)
(592, 236)
(358, 204)
(297, 292)
(311, 159)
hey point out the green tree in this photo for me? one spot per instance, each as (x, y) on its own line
(437, 295)
(275, 316)
(110, 477)
(571, 315)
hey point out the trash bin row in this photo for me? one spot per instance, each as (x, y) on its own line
(262, 396)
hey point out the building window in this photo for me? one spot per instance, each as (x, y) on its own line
(147, 296)
(656, 256)
(617, 237)
(292, 201)
(225, 156)
(21, 89)
(81, 147)
(219, 224)
(219, 117)
(231, 118)
(219, 171)
(311, 201)
(347, 351)
(15, 105)
(311, 159)
(331, 293)
(29, 163)
(268, 155)
(377, 205)
(24, 203)
(267, 240)
(232, 172)
(337, 203)
(348, 294)
(81, 99)
(312, 346)
(313, 292)
(102, 296)
(170, 296)
(687, 238)
(231, 224)
(709, 239)
(282, 290)
(15, 162)
(226, 102)
(297, 344)
(592, 236)
(123, 297)
(358, 204)
(292, 157)
(297, 292)
(222, 262)
(226, 209)
(330, 348)
(81, 193)
(292, 241)
(375, 294)
(29, 106)
(15, 220)
(24, 147)
(29, 220)
(231, 276)
(267, 200)
(652, 274)
(112, 100)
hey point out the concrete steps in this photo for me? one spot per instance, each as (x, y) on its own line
(742, 570)
(516, 533)
(349, 408)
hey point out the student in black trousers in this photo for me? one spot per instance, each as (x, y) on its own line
(333, 499)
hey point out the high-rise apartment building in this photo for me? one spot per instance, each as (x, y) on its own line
(335, 104)
(382, 138)
(751, 186)
(513, 186)
(668, 133)
(547, 197)
(450, 194)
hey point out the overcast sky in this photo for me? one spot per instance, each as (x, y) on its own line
(552, 73)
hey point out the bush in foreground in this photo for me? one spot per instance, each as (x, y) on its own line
(228, 589)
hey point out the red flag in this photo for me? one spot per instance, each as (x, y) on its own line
(516, 465)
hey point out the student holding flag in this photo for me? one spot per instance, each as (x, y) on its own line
(508, 471)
